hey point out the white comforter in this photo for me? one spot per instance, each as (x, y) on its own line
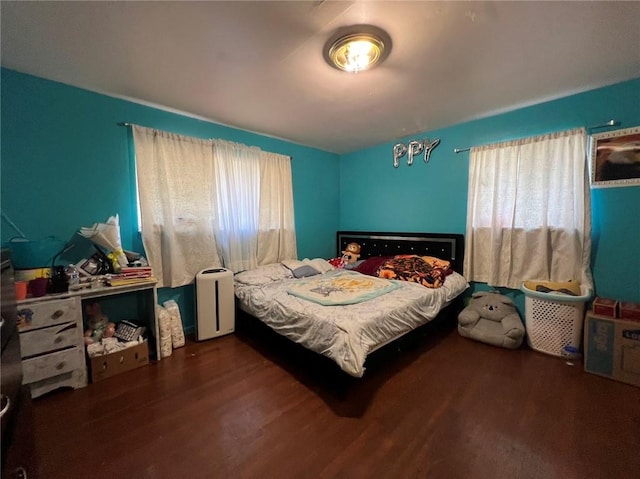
(347, 333)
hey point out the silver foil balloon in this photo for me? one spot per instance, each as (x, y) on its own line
(428, 148)
(415, 148)
(399, 150)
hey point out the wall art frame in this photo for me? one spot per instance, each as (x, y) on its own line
(614, 158)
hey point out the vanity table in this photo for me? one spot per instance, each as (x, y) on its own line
(51, 333)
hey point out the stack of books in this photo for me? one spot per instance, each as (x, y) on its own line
(132, 275)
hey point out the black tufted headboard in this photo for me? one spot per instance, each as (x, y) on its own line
(441, 245)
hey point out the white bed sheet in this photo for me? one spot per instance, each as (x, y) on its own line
(346, 334)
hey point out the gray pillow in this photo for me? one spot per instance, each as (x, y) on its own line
(304, 271)
(354, 265)
(299, 268)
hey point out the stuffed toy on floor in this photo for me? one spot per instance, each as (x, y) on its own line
(492, 318)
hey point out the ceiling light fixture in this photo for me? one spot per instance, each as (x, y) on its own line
(357, 48)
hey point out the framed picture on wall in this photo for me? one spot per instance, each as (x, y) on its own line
(614, 158)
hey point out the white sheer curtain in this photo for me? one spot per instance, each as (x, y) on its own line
(237, 174)
(177, 204)
(529, 211)
(277, 236)
(210, 203)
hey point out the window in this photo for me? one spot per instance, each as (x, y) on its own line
(201, 203)
(528, 211)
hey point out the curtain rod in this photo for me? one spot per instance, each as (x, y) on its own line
(124, 123)
(604, 125)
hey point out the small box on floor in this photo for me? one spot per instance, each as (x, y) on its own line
(103, 367)
(606, 307)
(612, 348)
(630, 311)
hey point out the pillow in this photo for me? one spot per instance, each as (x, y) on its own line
(353, 265)
(263, 274)
(299, 268)
(304, 271)
(370, 265)
(320, 264)
(292, 263)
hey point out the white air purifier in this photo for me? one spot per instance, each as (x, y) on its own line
(215, 303)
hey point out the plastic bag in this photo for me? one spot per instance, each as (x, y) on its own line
(177, 333)
(164, 324)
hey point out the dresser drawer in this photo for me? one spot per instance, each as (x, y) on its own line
(48, 313)
(52, 364)
(49, 339)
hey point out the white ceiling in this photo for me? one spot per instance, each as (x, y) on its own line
(259, 66)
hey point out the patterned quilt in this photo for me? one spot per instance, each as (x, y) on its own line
(345, 287)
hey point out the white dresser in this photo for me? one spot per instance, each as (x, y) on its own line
(52, 334)
(52, 344)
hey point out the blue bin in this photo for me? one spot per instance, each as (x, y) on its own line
(28, 254)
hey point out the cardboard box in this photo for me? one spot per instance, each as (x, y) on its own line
(103, 367)
(612, 348)
(606, 307)
(630, 311)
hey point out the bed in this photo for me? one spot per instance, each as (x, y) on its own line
(312, 312)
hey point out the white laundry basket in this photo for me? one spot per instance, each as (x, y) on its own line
(554, 321)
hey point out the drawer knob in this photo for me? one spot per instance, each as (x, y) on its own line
(60, 365)
(58, 340)
(57, 314)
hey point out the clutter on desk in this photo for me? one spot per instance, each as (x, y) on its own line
(42, 270)
(38, 287)
(73, 277)
(32, 254)
(98, 264)
(75, 281)
(107, 235)
(27, 254)
(59, 282)
(131, 275)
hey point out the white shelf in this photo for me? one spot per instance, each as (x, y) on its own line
(144, 287)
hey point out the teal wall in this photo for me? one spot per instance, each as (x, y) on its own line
(433, 197)
(66, 164)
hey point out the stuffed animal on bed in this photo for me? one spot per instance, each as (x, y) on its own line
(491, 318)
(349, 258)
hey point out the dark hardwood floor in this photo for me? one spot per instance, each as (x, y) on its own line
(252, 405)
